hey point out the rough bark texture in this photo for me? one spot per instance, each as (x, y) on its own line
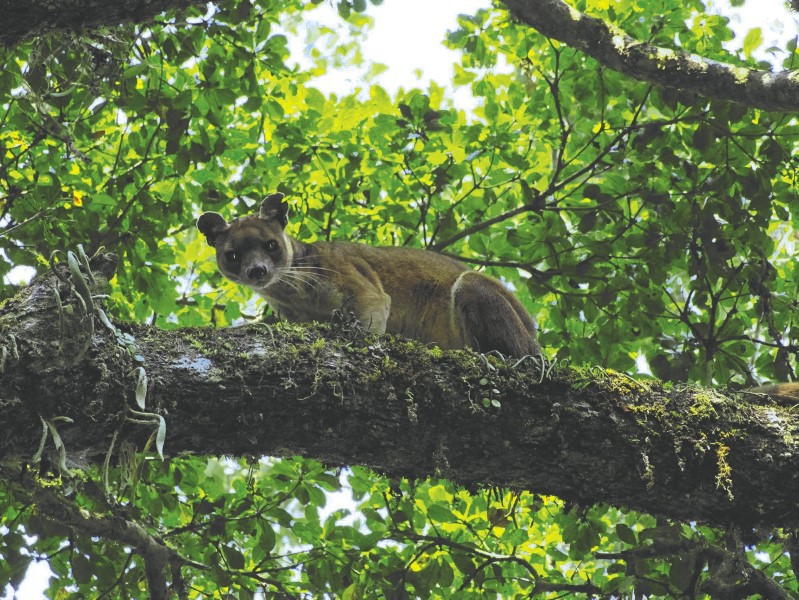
(24, 18)
(330, 393)
(614, 49)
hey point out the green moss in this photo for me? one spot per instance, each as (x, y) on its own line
(620, 383)
(649, 473)
(666, 415)
(724, 475)
(197, 344)
(702, 406)
(373, 376)
(656, 410)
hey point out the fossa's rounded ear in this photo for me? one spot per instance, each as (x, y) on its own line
(211, 224)
(273, 208)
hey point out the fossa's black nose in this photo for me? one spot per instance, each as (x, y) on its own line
(256, 272)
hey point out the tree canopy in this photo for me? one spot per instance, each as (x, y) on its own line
(646, 222)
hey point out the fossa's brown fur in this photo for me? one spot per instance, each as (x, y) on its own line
(787, 392)
(415, 293)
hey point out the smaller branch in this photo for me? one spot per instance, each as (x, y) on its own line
(492, 557)
(22, 224)
(736, 577)
(482, 225)
(106, 593)
(38, 17)
(156, 555)
(613, 48)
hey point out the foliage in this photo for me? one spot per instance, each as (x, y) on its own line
(643, 226)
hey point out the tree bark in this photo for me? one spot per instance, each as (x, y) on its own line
(612, 48)
(26, 18)
(335, 394)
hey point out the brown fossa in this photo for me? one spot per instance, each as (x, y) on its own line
(415, 293)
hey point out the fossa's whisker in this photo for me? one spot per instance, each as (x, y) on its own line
(299, 277)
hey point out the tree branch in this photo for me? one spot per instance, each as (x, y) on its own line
(540, 586)
(156, 555)
(37, 17)
(393, 405)
(740, 578)
(614, 49)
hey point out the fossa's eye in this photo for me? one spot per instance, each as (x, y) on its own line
(271, 245)
(232, 256)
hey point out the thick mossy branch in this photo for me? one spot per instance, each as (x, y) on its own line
(330, 393)
(616, 50)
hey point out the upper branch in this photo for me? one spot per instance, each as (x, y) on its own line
(614, 49)
(36, 17)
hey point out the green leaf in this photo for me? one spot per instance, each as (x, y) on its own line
(81, 568)
(141, 387)
(234, 558)
(441, 513)
(160, 436)
(626, 534)
(752, 41)
(439, 493)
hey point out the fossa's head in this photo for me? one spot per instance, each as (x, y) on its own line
(251, 250)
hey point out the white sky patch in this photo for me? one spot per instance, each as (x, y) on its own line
(777, 23)
(20, 275)
(412, 48)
